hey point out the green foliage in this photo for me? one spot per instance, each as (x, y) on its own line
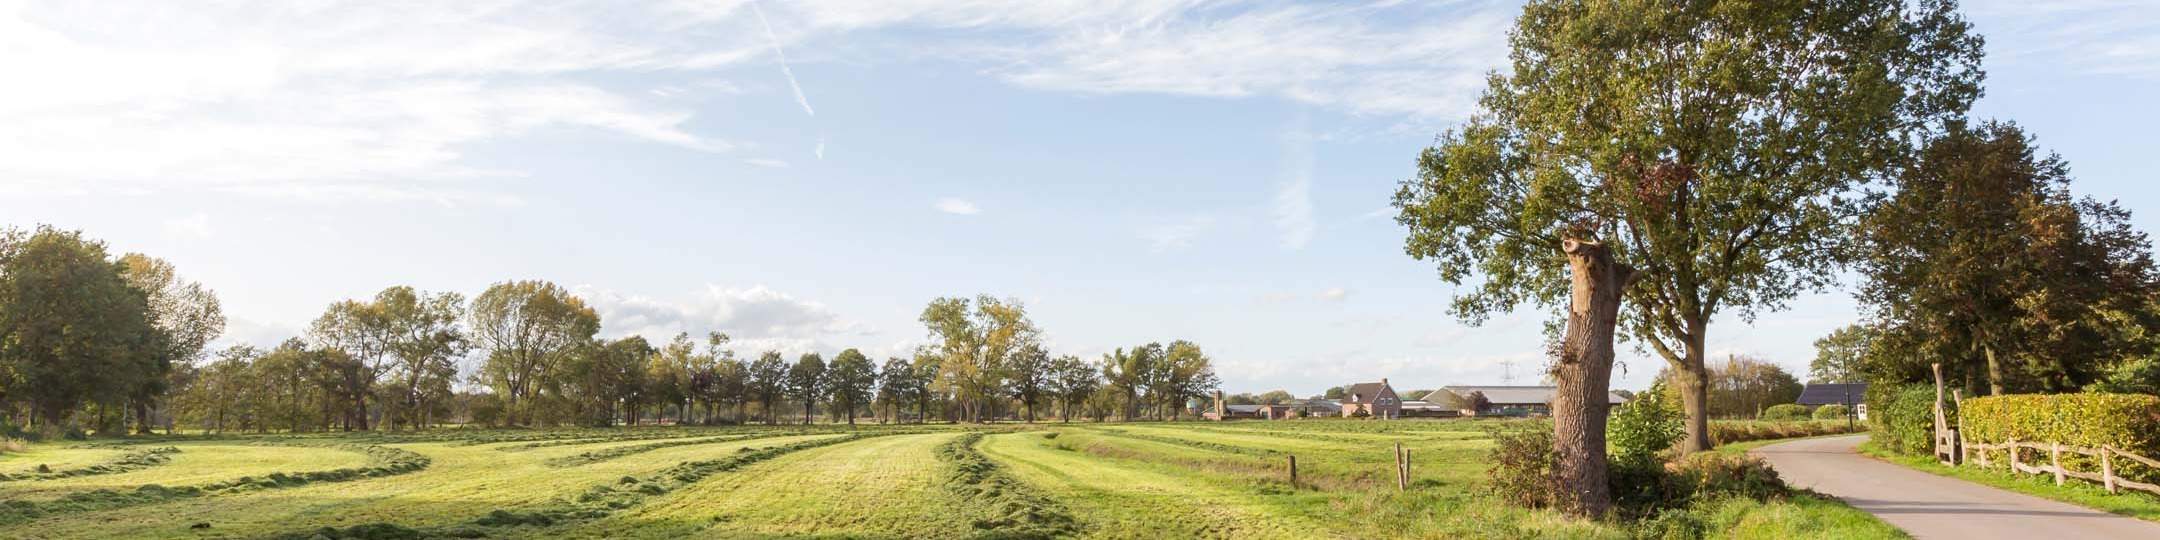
(1520, 468)
(1728, 432)
(73, 330)
(1645, 426)
(2139, 376)
(2127, 421)
(1841, 357)
(1834, 411)
(1784, 412)
(1984, 261)
(1903, 417)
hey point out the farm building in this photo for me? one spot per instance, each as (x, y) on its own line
(1317, 407)
(1847, 394)
(1505, 400)
(1375, 400)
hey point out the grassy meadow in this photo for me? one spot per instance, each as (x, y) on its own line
(1139, 480)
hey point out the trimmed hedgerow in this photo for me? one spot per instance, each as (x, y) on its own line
(1004, 507)
(1785, 412)
(382, 461)
(2128, 422)
(130, 461)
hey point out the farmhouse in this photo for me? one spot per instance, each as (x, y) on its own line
(1375, 400)
(1848, 394)
(1504, 400)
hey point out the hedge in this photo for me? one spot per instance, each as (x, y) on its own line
(2127, 421)
(1904, 417)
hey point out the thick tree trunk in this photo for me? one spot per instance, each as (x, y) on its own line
(1584, 374)
(1692, 377)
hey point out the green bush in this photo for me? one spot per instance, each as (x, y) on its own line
(1709, 474)
(1521, 470)
(1785, 412)
(1645, 426)
(1832, 411)
(1903, 417)
(2127, 421)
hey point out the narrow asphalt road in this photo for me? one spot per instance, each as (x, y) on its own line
(1929, 506)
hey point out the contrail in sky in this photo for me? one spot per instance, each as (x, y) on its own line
(784, 69)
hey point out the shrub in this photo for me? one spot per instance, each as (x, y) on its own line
(1832, 411)
(1709, 474)
(1521, 471)
(1785, 412)
(1646, 425)
(1903, 417)
(11, 444)
(2127, 421)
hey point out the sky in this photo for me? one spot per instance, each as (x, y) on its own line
(807, 175)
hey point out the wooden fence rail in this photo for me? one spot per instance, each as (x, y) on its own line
(1977, 453)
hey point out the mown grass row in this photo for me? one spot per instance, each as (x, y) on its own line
(133, 460)
(1205, 445)
(605, 454)
(382, 461)
(596, 502)
(1004, 507)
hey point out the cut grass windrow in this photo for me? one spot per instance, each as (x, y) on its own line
(1205, 445)
(133, 460)
(596, 502)
(1006, 508)
(597, 456)
(382, 461)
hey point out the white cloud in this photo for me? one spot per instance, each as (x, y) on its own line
(957, 206)
(1293, 206)
(196, 225)
(1334, 295)
(759, 318)
(1176, 235)
(762, 162)
(243, 331)
(2104, 37)
(332, 99)
(820, 151)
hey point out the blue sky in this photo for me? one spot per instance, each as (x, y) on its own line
(1135, 171)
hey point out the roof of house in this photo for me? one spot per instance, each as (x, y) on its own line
(1244, 408)
(1514, 395)
(1828, 393)
(1320, 404)
(1366, 392)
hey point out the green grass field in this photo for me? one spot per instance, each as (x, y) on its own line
(1182, 480)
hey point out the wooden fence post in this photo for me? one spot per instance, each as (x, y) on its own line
(1406, 468)
(1293, 472)
(2013, 449)
(2055, 458)
(2107, 468)
(1400, 484)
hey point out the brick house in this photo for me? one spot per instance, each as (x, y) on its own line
(1375, 400)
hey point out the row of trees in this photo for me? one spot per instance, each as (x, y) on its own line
(97, 341)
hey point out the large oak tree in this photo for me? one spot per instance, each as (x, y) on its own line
(1711, 146)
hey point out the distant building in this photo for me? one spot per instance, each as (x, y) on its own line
(1506, 400)
(1376, 400)
(1317, 407)
(1851, 395)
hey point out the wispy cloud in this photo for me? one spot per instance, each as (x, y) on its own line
(196, 225)
(785, 69)
(2102, 37)
(1293, 206)
(957, 206)
(1176, 235)
(1332, 296)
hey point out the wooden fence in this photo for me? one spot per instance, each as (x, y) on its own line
(1976, 453)
(1953, 450)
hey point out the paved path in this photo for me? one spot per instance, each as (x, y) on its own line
(1929, 506)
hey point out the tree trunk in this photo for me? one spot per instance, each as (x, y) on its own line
(1584, 375)
(1692, 377)
(1994, 371)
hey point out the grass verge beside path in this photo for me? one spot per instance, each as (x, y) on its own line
(2074, 491)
